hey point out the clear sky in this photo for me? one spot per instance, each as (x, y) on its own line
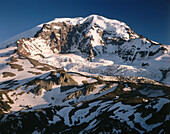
(150, 18)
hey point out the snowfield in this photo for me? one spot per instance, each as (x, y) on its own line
(84, 75)
(107, 65)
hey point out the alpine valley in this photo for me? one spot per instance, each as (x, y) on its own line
(84, 75)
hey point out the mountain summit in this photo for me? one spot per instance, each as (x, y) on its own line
(84, 75)
(92, 38)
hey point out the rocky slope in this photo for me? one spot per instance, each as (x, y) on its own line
(84, 75)
(94, 35)
(68, 102)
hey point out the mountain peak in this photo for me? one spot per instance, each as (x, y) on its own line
(93, 36)
(83, 75)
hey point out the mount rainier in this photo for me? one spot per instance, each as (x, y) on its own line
(84, 75)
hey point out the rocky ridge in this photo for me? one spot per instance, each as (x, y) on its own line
(64, 102)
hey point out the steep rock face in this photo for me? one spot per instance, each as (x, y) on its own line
(53, 37)
(140, 49)
(93, 35)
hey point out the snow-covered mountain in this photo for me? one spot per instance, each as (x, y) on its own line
(114, 48)
(84, 75)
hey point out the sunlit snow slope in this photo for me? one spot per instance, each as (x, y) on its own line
(84, 75)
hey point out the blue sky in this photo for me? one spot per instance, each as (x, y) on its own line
(150, 18)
